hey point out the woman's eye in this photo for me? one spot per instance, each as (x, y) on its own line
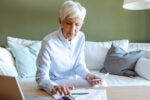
(68, 23)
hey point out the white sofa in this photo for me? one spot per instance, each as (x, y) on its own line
(95, 53)
(95, 56)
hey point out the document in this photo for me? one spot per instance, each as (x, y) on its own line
(84, 94)
(89, 94)
(35, 97)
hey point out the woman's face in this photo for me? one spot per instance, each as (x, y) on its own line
(70, 27)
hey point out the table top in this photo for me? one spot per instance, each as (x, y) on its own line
(114, 93)
(128, 93)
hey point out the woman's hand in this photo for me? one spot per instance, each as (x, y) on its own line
(93, 79)
(62, 90)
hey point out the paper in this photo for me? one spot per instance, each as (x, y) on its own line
(35, 97)
(89, 94)
(57, 96)
(84, 94)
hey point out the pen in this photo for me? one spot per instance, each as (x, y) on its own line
(79, 93)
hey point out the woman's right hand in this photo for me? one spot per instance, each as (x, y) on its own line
(62, 90)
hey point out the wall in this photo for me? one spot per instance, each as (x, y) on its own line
(105, 20)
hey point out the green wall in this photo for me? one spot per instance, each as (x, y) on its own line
(105, 20)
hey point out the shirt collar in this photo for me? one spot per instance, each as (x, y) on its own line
(61, 36)
(63, 39)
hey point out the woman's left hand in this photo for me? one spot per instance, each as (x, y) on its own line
(93, 79)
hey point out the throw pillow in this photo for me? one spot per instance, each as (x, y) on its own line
(95, 52)
(7, 64)
(120, 62)
(142, 68)
(25, 57)
(21, 41)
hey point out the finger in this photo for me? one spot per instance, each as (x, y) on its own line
(95, 82)
(98, 78)
(98, 82)
(54, 91)
(64, 90)
(60, 90)
(71, 87)
(68, 91)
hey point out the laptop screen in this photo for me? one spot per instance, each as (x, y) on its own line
(10, 89)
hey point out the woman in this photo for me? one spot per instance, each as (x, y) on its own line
(60, 63)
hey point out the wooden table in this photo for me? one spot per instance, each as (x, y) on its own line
(115, 93)
(128, 93)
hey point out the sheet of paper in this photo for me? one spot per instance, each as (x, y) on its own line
(89, 94)
(35, 97)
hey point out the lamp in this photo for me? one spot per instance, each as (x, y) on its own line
(136, 4)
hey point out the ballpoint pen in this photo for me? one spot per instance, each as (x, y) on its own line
(79, 93)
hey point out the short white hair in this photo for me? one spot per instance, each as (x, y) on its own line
(72, 9)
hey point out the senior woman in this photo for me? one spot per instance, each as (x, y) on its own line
(60, 63)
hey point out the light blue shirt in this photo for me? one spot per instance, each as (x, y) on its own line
(60, 59)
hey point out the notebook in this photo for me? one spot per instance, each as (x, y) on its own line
(10, 90)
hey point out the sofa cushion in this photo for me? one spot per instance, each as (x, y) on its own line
(146, 54)
(7, 65)
(140, 46)
(143, 68)
(21, 41)
(117, 80)
(95, 52)
(120, 62)
(25, 57)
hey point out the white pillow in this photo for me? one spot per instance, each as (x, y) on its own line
(142, 68)
(6, 56)
(7, 70)
(24, 42)
(7, 65)
(95, 52)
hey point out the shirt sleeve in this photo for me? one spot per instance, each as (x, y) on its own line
(43, 66)
(80, 66)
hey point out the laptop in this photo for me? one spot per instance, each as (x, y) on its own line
(10, 90)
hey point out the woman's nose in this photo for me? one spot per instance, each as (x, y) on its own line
(73, 28)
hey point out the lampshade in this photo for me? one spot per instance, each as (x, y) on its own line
(136, 4)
